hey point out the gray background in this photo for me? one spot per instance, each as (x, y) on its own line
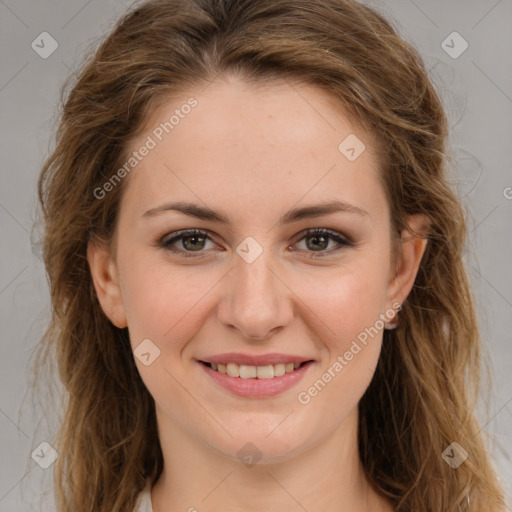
(476, 88)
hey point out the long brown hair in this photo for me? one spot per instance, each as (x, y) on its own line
(423, 394)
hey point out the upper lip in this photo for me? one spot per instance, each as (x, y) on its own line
(255, 360)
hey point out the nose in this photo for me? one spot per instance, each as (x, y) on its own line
(257, 301)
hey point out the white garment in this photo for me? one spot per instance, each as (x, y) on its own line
(143, 503)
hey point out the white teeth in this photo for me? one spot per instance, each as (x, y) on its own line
(233, 370)
(265, 372)
(255, 372)
(247, 372)
(279, 369)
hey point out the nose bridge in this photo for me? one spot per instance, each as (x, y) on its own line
(256, 301)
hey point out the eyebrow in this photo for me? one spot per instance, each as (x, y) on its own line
(294, 215)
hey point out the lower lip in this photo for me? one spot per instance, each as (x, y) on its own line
(257, 388)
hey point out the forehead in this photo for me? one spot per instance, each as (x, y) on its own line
(254, 145)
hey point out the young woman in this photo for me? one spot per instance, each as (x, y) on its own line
(256, 277)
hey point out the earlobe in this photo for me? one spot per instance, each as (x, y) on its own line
(105, 280)
(413, 243)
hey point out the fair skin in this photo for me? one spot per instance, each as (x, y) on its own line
(254, 154)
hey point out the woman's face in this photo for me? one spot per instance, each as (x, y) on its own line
(253, 167)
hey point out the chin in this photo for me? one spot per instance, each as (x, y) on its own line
(258, 447)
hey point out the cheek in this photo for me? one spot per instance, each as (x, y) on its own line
(348, 308)
(352, 353)
(345, 301)
(163, 301)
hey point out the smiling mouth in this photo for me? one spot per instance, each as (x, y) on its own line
(255, 372)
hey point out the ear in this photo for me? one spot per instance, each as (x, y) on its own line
(104, 276)
(404, 268)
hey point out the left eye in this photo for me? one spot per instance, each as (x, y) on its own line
(321, 237)
(193, 240)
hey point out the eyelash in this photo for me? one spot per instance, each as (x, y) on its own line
(166, 243)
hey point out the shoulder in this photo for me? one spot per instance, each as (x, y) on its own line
(143, 503)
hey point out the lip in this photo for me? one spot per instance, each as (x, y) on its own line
(255, 360)
(257, 388)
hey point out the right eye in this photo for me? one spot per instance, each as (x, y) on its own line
(191, 239)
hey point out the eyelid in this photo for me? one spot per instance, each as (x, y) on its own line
(342, 240)
(167, 240)
(324, 231)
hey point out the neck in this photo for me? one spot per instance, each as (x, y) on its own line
(326, 477)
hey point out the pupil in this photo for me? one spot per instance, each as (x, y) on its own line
(321, 237)
(194, 237)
